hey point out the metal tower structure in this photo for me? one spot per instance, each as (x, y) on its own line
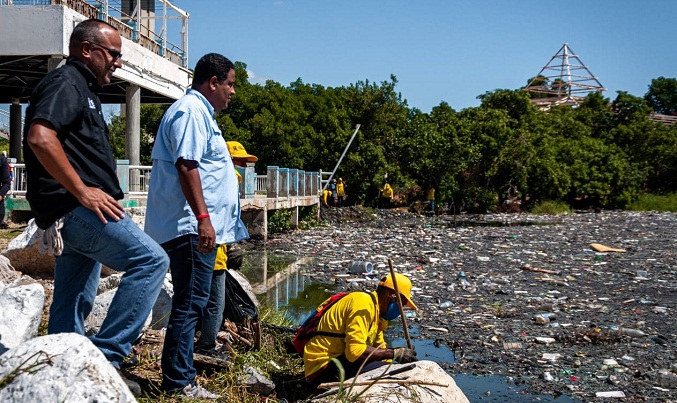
(564, 80)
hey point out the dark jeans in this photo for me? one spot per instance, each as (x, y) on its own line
(2, 210)
(191, 276)
(212, 317)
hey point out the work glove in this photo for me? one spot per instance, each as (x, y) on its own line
(405, 355)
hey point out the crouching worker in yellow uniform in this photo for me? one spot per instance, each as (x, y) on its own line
(356, 323)
(326, 193)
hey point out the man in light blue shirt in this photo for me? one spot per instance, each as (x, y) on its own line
(193, 206)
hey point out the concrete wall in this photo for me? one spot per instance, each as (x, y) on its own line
(45, 30)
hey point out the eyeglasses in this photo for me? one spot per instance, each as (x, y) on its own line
(112, 52)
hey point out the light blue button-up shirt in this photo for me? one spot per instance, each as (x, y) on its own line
(188, 130)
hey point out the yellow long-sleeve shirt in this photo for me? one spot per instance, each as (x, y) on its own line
(357, 316)
(222, 252)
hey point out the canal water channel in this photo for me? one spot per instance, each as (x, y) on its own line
(282, 283)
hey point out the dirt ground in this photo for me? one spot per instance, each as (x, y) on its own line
(523, 296)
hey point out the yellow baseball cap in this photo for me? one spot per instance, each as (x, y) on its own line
(403, 286)
(237, 150)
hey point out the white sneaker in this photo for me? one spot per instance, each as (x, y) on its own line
(198, 392)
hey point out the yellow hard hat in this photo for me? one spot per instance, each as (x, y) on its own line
(403, 285)
(237, 150)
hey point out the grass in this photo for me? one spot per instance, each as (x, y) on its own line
(551, 207)
(273, 360)
(652, 202)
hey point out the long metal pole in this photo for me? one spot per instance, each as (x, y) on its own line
(357, 127)
(399, 304)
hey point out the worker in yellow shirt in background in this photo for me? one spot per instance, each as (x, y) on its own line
(341, 192)
(430, 197)
(356, 324)
(227, 257)
(386, 196)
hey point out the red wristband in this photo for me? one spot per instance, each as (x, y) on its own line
(201, 216)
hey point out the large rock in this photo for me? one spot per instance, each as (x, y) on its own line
(255, 382)
(20, 313)
(425, 371)
(23, 252)
(7, 273)
(25, 256)
(163, 305)
(63, 367)
(157, 319)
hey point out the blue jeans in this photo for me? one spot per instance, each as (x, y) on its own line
(123, 247)
(191, 276)
(212, 316)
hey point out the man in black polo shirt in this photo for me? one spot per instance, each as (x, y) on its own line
(73, 191)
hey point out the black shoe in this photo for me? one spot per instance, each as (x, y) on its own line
(133, 386)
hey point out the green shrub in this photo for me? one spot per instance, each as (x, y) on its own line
(308, 217)
(552, 207)
(652, 202)
(279, 221)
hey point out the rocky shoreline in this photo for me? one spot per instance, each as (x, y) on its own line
(524, 296)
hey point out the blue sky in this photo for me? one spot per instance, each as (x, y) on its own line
(439, 50)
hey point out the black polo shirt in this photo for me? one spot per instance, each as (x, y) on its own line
(67, 99)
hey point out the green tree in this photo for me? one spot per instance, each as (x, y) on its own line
(629, 108)
(662, 95)
(515, 103)
(150, 117)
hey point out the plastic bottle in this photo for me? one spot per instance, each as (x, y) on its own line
(631, 332)
(361, 266)
(445, 305)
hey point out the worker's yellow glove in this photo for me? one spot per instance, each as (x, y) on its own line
(404, 355)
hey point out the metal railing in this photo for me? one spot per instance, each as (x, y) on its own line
(18, 185)
(139, 179)
(261, 184)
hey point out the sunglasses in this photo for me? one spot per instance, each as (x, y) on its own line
(112, 52)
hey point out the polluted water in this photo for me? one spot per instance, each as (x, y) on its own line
(295, 293)
(538, 301)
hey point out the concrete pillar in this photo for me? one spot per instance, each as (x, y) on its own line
(55, 63)
(133, 124)
(295, 217)
(249, 181)
(133, 133)
(308, 182)
(272, 188)
(283, 182)
(293, 182)
(15, 134)
(123, 176)
(302, 183)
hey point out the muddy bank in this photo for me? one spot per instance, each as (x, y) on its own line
(524, 296)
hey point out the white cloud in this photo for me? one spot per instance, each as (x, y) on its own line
(254, 79)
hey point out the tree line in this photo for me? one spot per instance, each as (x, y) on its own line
(600, 154)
